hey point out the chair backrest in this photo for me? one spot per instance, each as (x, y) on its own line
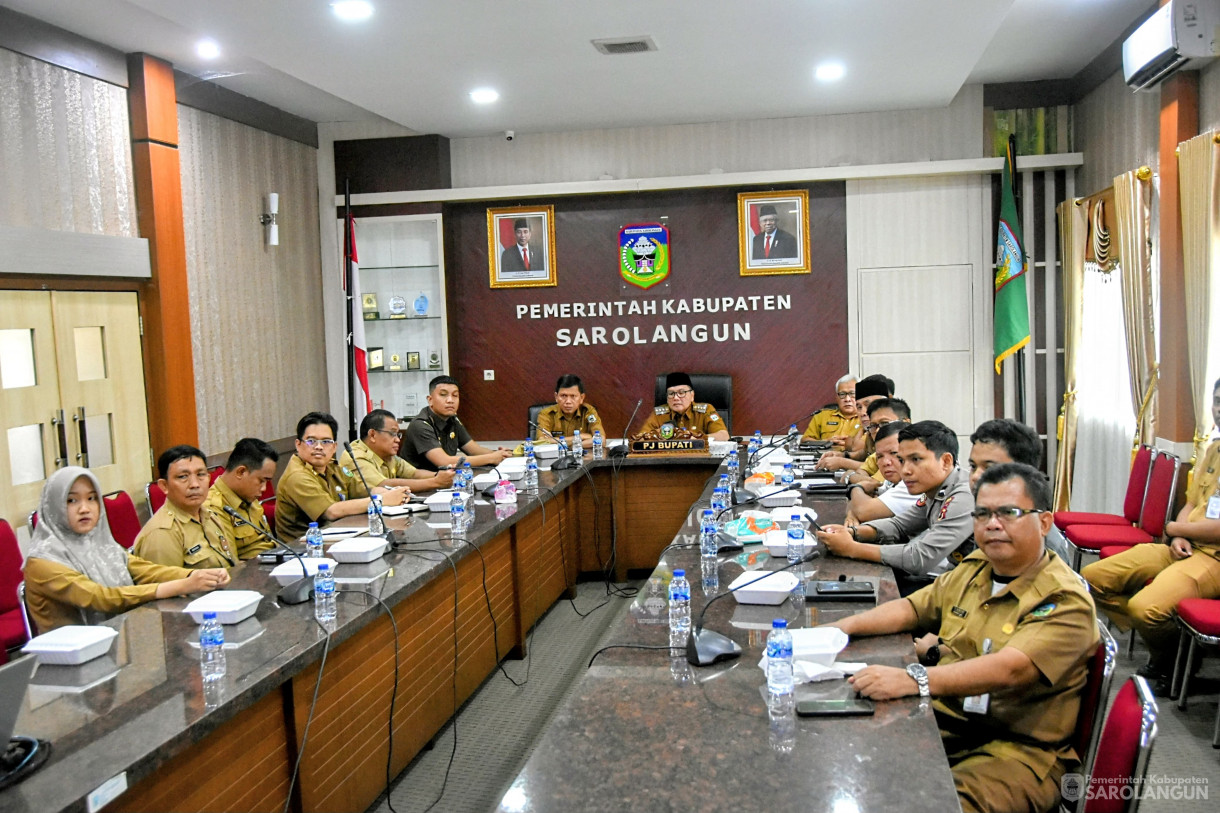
(712, 388)
(10, 567)
(533, 417)
(155, 496)
(1124, 748)
(268, 491)
(1093, 699)
(268, 504)
(122, 518)
(215, 472)
(1137, 483)
(33, 520)
(31, 629)
(1162, 487)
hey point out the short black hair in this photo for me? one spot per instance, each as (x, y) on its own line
(315, 418)
(1020, 441)
(888, 430)
(442, 379)
(900, 407)
(1037, 485)
(566, 381)
(885, 381)
(375, 420)
(251, 452)
(938, 438)
(173, 454)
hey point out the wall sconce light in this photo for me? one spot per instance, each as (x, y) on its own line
(269, 219)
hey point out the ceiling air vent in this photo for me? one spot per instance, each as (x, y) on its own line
(625, 45)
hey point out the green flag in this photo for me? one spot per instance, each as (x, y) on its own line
(1011, 304)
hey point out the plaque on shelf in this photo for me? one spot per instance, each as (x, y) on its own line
(376, 358)
(395, 363)
(434, 359)
(421, 305)
(398, 307)
(413, 360)
(369, 301)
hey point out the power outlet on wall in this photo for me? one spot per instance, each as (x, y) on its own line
(489, 375)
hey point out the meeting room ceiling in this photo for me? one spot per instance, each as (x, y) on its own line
(414, 62)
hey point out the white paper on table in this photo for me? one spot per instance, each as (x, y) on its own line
(810, 672)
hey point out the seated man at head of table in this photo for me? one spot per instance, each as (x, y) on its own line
(1017, 628)
(250, 467)
(436, 438)
(568, 413)
(859, 446)
(839, 422)
(184, 532)
(377, 457)
(682, 412)
(920, 541)
(315, 488)
(881, 412)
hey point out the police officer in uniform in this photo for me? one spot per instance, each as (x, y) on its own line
(251, 465)
(183, 532)
(568, 413)
(839, 421)
(681, 411)
(1016, 628)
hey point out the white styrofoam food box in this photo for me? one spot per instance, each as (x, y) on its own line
(288, 572)
(818, 644)
(770, 587)
(542, 451)
(68, 646)
(230, 606)
(777, 542)
(358, 549)
(438, 502)
(785, 514)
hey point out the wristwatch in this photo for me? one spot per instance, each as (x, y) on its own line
(920, 676)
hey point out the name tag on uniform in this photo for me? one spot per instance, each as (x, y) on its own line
(976, 703)
(194, 550)
(1213, 507)
(959, 612)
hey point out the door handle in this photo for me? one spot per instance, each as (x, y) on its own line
(61, 433)
(82, 435)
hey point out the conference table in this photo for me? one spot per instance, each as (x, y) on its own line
(138, 730)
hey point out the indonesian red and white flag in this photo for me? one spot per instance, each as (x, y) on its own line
(364, 403)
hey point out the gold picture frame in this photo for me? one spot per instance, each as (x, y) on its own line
(506, 262)
(788, 250)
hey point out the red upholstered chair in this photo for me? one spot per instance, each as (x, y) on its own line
(215, 472)
(1133, 502)
(155, 496)
(1158, 504)
(1093, 699)
(268, 491)
(12, 622)
(269, 512)
(122, 518)
(1123, 750)
(1199, 619)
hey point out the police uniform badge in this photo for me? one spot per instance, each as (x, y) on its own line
(944, 509)
(452, 435)
(922, 501)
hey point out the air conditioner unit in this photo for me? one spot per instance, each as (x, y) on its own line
(1179, 35)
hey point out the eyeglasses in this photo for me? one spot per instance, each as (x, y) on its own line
(845, 394)
(678, 393)
(1005, 513)
(323, 442)
(394, 433)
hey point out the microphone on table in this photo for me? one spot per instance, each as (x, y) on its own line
(728, 544)
(301, 590)
(565, 461)
(775, 441)
(621, 449)
(389, 535)
(705, 647)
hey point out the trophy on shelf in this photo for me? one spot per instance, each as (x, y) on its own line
(421, 304)
(376, 358)
(369, 301)
(434, 359)
(395, 363)
(398, 307)
(413, 360)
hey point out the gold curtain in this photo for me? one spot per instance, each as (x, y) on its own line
(1073, 232)
(1133, 208)
(1200, 185)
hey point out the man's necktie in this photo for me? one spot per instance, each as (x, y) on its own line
(525, 255)
(767, 252)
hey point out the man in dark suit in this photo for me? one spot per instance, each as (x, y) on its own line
(773, 242)
(521, 256)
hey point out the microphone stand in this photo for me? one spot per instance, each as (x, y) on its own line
(705, 647)
(389, 535)
(301, 590)
(728, 544)
(621, 449)
(565, 461)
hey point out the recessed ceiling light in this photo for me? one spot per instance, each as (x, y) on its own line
(207, 49)
(352, 11)
(830, 71)
(483, 95)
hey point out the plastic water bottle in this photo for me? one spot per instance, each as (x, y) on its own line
(679, 606)
(711, 575)
(324, 595)
(708, 545)
(578, 446)
(779, 667)
(719, 496)
(376, 521)
(531, 471)
(529, 447)
(506, 492)
(752, 450)
(211, 648)
(562, 445)
(468, 477)
(599, 446)
(794, 438)
(457, 515)
(734, 468)
(313, 541)
(725, 482)
(796, 552)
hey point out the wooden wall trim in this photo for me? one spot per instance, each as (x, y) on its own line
(39, 40)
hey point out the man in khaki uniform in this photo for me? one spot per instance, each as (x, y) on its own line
(377, 457)
(860, 445)
(1017, 628)
(568, 413)
(251, 465)
(681, 411)
(184, 533)
(315, 488)
(839, 421)
(1188, 567)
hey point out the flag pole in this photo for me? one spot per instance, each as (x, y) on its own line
(1018, 361)
(347, 306)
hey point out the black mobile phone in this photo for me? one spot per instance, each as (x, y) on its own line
(850, 707)
(844, 588)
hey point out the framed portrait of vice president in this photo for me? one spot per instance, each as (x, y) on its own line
(773, 232)
(521, 246)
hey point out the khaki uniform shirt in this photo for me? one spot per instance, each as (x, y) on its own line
(1204, 485)
(552, 420)
(374, 469)
(831, 423)
(55, 593)
(1048, 615)
(699, 418)
(250, 542)
(303, 495)
(869, 467)
(176, 539)
(924, 535)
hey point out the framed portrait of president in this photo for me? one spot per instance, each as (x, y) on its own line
(773, 232)
(521, 246)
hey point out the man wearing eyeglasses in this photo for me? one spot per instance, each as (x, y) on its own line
(1017, 628)
(568, 413)
(377, 457)
(681, 412)
(315, 488)
(860, 445)
(838, 422)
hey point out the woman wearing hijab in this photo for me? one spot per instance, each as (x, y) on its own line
(76, 572)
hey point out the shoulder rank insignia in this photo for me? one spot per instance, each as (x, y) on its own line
(944, 509)
(1043, 610)
(661, 410)
(701, 407)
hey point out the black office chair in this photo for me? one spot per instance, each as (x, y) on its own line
(711, 388)
(533, 413)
